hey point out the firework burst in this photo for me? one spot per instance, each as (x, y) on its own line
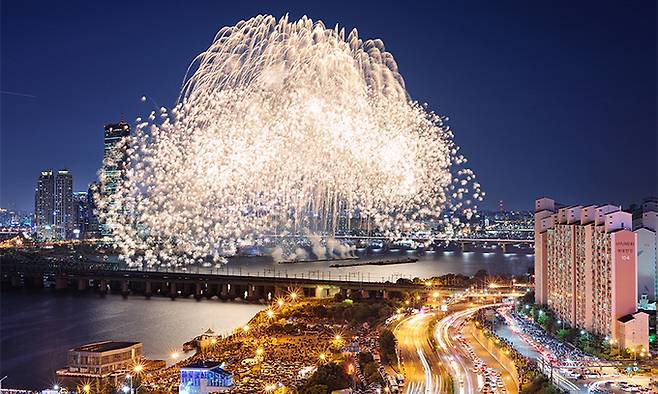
(283, 127)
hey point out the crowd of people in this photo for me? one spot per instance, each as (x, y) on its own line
(280, 346)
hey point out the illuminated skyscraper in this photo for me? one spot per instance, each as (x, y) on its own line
(80, 214)
(114, 134)
(93, 227)
(112, 173)
(44, 218)
(64, 214)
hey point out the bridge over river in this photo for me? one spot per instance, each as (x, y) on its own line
(106, 278)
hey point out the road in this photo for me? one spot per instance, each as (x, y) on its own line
(493, 357)
(430, 369)
(455, 338)
(420, 362)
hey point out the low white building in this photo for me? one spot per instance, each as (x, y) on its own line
(204, 377)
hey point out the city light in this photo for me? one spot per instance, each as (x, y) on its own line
(270, 313)
(138, 368)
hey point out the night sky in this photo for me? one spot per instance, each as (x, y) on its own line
(555, 98)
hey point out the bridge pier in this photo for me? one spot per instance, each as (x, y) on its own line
(61, 283)
(15, 281)
(103, 287)
(125, 289)
(198, 292)
(254, 292)
(278, 292)
(232, 291)
(173, 292)
(148, 292)
(211, 290)
(223, 293)
(82, 284)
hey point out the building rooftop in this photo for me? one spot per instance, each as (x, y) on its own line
(625, 318)
(104, 346)
(206, 365)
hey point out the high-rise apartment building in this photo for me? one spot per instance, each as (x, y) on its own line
(586, 270)
(114, 134)
(80, 214)
(54, 210)
(93, 227)
(112, 172)
(647, 255)
(64, 214)
(44, 200)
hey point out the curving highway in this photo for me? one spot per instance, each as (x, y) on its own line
(462, 358)
(420, 363)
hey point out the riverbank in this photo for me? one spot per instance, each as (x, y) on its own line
(39, 327)
(376, 262)
(286, 343)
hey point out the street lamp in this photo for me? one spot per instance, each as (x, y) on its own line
(1, 379)
(130, 378)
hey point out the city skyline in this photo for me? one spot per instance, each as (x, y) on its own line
(328, 197)
(491, 92)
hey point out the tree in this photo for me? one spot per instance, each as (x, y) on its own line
(331, 375)
(387, 343)
(371, 372)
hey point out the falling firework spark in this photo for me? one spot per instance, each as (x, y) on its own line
(283, 127)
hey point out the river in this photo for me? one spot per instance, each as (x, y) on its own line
(37, 328)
